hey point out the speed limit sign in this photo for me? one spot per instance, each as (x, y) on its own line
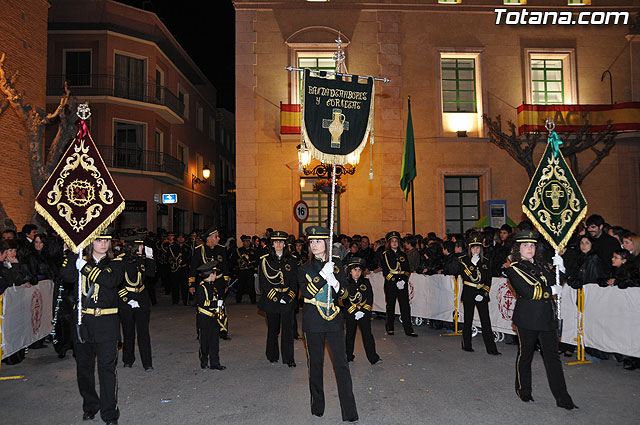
(301, 211)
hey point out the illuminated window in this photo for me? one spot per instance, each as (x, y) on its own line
(550, 77)
(515, 2)
(458, 85)
(322, 61)
(461, 197)
(579, 2)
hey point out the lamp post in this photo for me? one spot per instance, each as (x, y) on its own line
(206, 173)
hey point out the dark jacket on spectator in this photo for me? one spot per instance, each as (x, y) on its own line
(626, 276)
(583, 268)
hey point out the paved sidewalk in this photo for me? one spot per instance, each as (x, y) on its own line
(425, 380)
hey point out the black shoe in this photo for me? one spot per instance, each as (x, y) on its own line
(413, 334)
(113, 422)
(226, 337)
(87, 416)
(350, 358)
(218, 367)
(203, 365)
(273, 361)
(470, 350)
(148, 369)
(526, 398)
(377, 361)
(390, 332)
(127, 365)
(291, 364)
(495, 353)
(567, 405)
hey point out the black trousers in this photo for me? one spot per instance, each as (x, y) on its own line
(135, 320)
(367, 337)
(276, 322)
(391, 294)
(527, 339)
(315, 361)
(246, 285)
(179, 285)
(106, 354)
(209, 340)
(470, 305)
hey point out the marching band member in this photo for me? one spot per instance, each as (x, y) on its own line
(278, 281)
(535, 318)
(358, 310)
(322, 322)
(395, 268)
(100, 329)
(209, 292)
(135, 305)
(475, 270)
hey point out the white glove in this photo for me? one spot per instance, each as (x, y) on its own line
(80, 263)
(556, 289)
(333, 282)
(327, 269)
(359, 315)
(559, 262)
(134, 304)
(255, 275)
(479, 298)
(475, 259)
(220, 303)
(148, 252)
(282, 301)
(400, 284)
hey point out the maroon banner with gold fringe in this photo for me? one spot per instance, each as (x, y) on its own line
(80, 199)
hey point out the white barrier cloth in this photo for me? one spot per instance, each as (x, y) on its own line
(611, 319)
(27, 315)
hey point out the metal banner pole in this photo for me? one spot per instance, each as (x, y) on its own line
(456, 309)
(331, 218)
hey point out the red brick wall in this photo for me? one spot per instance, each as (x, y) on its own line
(23, 39)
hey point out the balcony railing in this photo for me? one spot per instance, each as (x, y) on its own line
(134, 159)
(110, 85)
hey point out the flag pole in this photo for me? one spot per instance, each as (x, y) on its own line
(413, 211)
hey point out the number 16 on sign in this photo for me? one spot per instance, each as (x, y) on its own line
(301, 211)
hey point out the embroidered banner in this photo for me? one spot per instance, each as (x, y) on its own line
(337, 117)
(554, 202)
(80, 199)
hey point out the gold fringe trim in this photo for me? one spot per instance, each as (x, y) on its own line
(536, 223)
(336, 159)
(105, 223)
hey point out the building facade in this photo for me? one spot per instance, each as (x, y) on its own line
(457, 63)
(154, 115)
(23, 41)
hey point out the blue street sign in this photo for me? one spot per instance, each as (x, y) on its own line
(169, 198)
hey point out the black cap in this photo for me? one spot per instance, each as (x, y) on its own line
(134, 239)
(278, 235)
(392, 235)
(474, 240)
(107, 233)
(207, 268)
(245, 238)
(354, 262)
(212, 231)
(317, 232)
(527, 236)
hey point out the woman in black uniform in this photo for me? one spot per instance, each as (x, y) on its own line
(279, 284)
(322, 322)
(535, 318)
(100, 329)
(475, 270)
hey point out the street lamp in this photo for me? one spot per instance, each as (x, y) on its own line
(206, 172)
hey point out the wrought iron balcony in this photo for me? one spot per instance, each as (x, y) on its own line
(134, 159)
(110, 85)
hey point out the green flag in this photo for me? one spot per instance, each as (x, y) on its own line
(408, 158)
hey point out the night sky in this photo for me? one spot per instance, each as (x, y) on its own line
(207, 34)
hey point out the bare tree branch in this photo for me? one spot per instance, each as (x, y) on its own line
(521, 147)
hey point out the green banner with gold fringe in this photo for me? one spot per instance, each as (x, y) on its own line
(554, 202)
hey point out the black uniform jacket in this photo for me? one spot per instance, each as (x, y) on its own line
(207, 296)
(395, 266)
(203, 254)
(278, 281)
(178, 257)
(245, 259)
(133, 287)
(316, 315)
(100, 283)
(535, 307)
(360, 296)
(476, 278)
